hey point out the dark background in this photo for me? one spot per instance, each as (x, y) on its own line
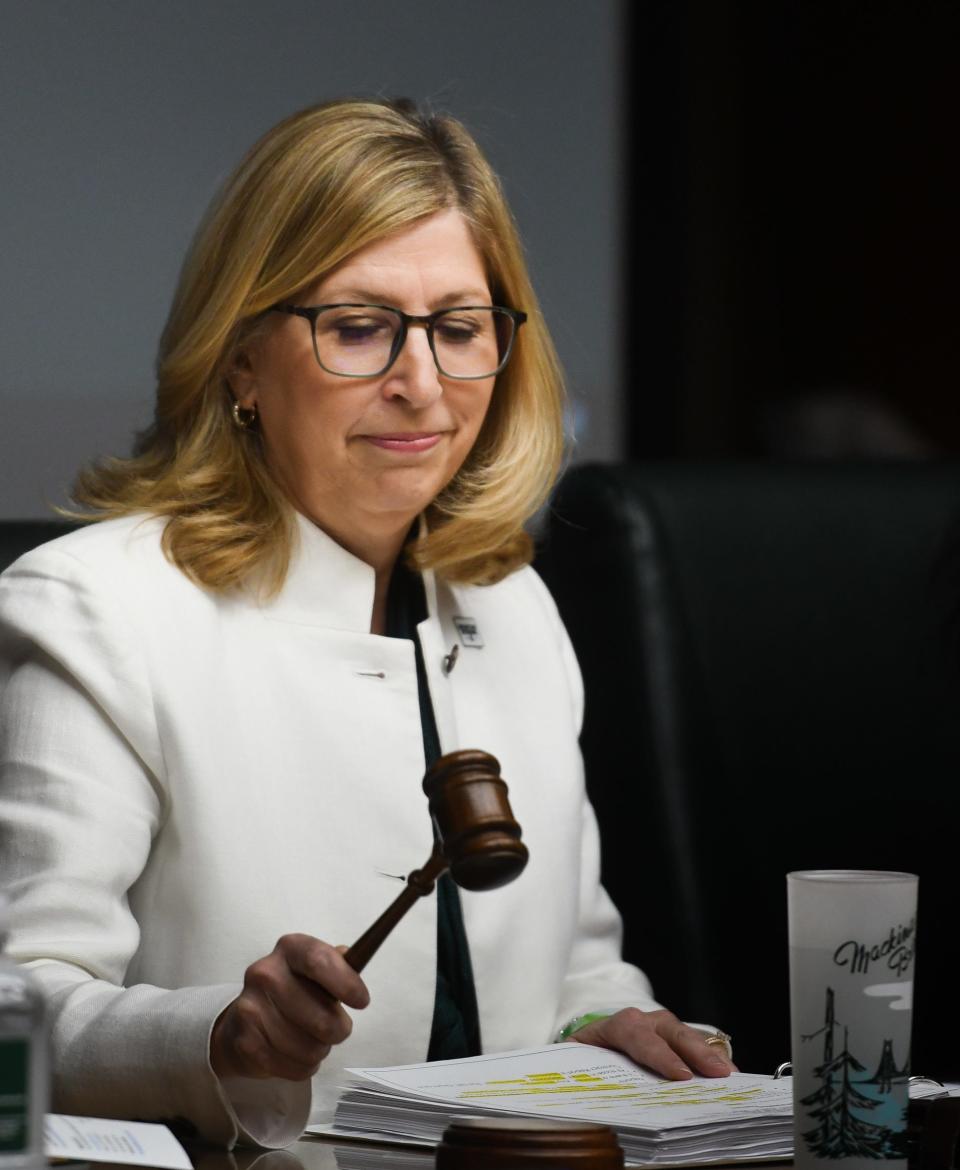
(793, 228)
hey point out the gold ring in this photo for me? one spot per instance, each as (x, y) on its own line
(722, 1040)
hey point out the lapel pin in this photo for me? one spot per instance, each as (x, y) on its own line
(469, 632)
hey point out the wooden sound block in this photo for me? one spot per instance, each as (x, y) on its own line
(508, 1143)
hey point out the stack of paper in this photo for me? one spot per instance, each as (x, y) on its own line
(365, 1157)
(657, 1121)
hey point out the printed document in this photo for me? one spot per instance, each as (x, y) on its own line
(740, 1116)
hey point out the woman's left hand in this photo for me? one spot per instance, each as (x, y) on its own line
(658, 1041)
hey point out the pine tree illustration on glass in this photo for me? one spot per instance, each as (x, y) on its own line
(841, 1133)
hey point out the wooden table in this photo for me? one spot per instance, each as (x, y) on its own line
(327, 1153)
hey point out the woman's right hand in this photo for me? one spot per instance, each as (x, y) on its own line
(289, 1014)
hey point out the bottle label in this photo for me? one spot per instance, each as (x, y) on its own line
(14, 1105)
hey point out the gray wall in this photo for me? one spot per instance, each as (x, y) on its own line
(119, 118)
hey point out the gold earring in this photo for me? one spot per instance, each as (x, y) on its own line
(244, 417)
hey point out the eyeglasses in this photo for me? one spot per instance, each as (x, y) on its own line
(363, 341)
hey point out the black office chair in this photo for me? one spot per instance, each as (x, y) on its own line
(770, 686)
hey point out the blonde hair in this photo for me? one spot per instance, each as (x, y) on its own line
(315, 189)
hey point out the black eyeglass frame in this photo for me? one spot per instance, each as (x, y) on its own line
(312, 312)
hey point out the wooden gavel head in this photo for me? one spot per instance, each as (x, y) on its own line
(479, 837)
(478, 841)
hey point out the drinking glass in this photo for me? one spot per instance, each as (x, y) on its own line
(852, 936)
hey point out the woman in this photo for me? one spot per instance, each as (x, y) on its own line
(309, 580)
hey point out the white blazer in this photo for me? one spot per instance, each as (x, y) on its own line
(186, 777)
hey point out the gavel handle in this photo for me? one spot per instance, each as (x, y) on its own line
(419, 883)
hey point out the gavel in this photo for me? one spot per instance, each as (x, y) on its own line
(476, 839)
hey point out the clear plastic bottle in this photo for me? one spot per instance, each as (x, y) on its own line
(24, 1063)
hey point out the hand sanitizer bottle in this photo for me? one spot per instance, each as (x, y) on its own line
(24, 1070)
